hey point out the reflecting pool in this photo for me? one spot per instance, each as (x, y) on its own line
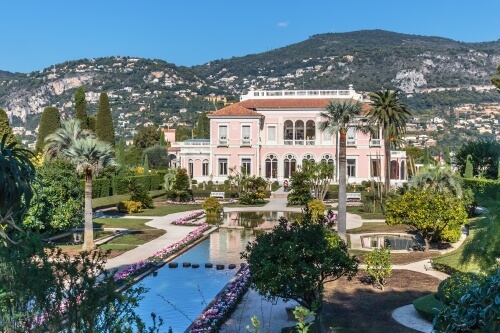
(179, 295)
(263, 220)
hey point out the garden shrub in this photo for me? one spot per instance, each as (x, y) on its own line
(455, 286)
(317, 208)
(444, 268)
(139, 194)
(378, 265)
(212, 206)
(450, 234)
(129, 207)
(428, 306)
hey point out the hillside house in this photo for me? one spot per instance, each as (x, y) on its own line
(271, 133)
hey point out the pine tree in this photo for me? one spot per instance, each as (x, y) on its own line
(5, 127)
(81, 108)
(120, 158)
(49, 123)
(104, 122)
(146, 164)
(468, 167)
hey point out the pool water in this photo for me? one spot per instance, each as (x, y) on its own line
(179, 295)
(263, 220)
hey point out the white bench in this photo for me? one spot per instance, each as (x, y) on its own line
(353, 196)
(217, 195)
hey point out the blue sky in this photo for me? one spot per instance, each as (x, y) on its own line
(36, 34)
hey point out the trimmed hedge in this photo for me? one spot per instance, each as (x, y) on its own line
(428, 306)
(488, 187)
(105, 187)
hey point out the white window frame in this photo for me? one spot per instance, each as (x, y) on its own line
(351, 136)
(246, 161)
(223, 139)
(222, 170)
(355, 167)
(274, 129)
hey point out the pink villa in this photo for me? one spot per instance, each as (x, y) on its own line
(271, 133)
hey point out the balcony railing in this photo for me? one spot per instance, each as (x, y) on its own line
(222, 142)
(245, 142)
(375, 142)
(351, 142)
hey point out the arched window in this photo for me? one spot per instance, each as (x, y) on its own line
(289, 166)
(288, 132)
(299, 132)
(308, 157)
(191, 168)
(327, 158)
(204, 168)
(402, 174)
(310, 132)
(394, 169)
(271, 166)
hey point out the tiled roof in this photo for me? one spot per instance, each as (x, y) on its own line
(250, 106)
(235, 110)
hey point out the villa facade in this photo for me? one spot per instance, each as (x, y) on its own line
(271, 133)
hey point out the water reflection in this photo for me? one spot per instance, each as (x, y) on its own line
(263, 220)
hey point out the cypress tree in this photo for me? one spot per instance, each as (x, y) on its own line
(104, 122)
(81, 108)
(120, 158)
(5, 126)
(146, 164)
(49, 123)
(427, 159)
(163, 143)
(468, 167)
(203, 127)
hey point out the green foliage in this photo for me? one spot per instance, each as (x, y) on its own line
(183, 133)
(378, 265)
(133, 156)
(476, 311)
(468, 167)
(120, 158)
(320, 176)
(49, 123)
(428, 306)
(149, 182)
(438, 179)
(484, 157)
(302, 314)
(59, 201)
(157, 157)
(5, 128)
(300, 193)
(17, 175)
(104, 122)
(146, 165)
(180, 187)
(139, 194)
(148, 136)
(203, 126)
(426, 212)
(81, 108)
(250, 189)
(29, 289)
(129, 206)
(212, 206)
(294, 261)
(454, 287)
(317, 209)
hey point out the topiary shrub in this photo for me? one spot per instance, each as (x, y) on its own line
(455, 286)
(317, 208)
(129, 207)
(212, 206)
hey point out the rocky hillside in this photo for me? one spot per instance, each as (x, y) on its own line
(145, 90)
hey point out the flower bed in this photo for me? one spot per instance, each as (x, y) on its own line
(225, 302)
(143, 265)
(190, 219)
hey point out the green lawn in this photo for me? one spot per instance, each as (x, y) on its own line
(366, 216)
(134, 224)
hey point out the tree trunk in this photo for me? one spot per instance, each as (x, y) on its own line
(342, 211)
(387, 162)
(427, 245)
(88, 237)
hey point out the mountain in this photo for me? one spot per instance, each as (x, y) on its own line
(152, 90)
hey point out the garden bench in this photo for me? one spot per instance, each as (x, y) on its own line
(220, 195)
(353, 196)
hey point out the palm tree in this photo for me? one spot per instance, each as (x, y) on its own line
(88, 154)
(17, 175)
(438, 179)
(390, 114)
(339, 117)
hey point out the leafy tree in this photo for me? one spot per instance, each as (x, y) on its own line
(120, 158)
(163, 143)
(49, 123)
(5, 128)
(89, 156)
(82, 297)
(104, 129)
(203, 126)
(320, 176)
(476, 311)
(485, 155)
(428, 213)
(390, 114)
(148, 136)
(378, 265)
(17, 175)
(468, 167)
(339, 117)
(133, 156)
(59, 204)
(251, 189)
(180, 187)
(183, 133)
(294, 261)
(496, 80)
(413, 155)
(300, 193)
(146, 164)
(157, 157)
(81, 108)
